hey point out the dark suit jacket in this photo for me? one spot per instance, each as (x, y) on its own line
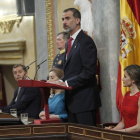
(28, 101)
(58, 60)
(80, 71)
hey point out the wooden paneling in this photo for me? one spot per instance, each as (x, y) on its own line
(63, 131)
(49, 129)
(111, 136)
(75, 130)
(124, 137)
(15, 131)
(93, 133)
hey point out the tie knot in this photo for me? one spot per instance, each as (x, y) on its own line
(70, 39)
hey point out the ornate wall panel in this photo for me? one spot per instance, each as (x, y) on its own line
(7, 23)
(49, 32)
(11, 52)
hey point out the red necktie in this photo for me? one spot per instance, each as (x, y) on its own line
(69, 45)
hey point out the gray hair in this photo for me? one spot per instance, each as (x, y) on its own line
(66, 35)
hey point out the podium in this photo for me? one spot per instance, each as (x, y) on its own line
(46, 92)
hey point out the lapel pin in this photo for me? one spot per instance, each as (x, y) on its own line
(75, 47)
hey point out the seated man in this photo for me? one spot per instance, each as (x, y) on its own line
(26, 99)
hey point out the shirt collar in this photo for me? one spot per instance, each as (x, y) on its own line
(62, 51)
(27, 78)
(75, 34)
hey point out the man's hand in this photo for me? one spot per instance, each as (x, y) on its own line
(58, 83)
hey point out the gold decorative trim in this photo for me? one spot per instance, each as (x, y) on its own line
(110, 134)
(12, 57)
(16, 133)
(62, 51)
(63, 126)
(7, 23)
(49, 32)
(84, 132)
(130, 137)
(76, 128)
(93, 131)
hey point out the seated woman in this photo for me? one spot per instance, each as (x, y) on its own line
(130, 109)
(56, 100)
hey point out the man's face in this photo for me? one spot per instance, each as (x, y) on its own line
(60, 42)
(19, 73)
(69, 22)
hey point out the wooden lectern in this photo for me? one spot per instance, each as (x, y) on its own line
(46, 89)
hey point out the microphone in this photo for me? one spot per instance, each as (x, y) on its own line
(27, 67)
(38, 66)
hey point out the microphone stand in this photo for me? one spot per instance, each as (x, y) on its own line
(38, 67)
(27, 67)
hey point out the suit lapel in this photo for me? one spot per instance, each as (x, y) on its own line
(20, 93)
(74, 47)
(15, 94)
(65, 55)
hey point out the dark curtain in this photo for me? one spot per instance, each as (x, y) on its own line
(3, 101)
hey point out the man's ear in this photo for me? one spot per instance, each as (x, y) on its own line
(78, 20)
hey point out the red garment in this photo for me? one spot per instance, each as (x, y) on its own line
(129, 109)
(69, 45)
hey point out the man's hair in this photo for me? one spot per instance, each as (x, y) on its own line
(20, 65)
(66, 35)
(76, 13)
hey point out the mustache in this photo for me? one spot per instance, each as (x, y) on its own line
(65, 26)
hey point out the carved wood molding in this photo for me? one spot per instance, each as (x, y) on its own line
(7, 23)
(12, 52)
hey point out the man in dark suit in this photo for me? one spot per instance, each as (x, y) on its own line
(79, 72)
(61, 39)
(26, 99)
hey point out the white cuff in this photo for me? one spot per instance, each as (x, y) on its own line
(66, 83)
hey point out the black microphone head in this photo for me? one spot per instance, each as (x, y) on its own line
(27, 67)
